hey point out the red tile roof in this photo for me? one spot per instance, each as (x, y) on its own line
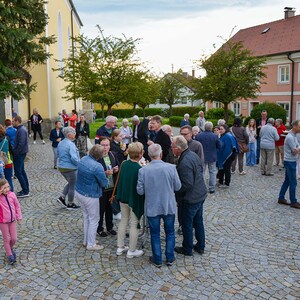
(282, 36)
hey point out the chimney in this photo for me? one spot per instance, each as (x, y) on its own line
(289, 12)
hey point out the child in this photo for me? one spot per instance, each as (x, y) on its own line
(10, 212)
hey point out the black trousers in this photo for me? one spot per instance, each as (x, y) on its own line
(105, 209)
(35, 129)
(226, 171)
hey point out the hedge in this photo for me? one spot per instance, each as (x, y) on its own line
(128, 113)
(191, 110)
(218, 113)
(175, 121)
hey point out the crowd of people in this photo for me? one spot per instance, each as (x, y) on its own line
(145, 171)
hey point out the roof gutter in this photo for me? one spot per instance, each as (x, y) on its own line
(292, 87)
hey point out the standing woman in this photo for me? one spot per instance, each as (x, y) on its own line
(239, 132)
(111, 168)
(36, 121)
(6, 148)
(226, 155)
(68, 158)
(251, 155)
(73, 119)
(117, 146)
(131, 203)
(90, 181)
(56, 136)
(82, 133)
(126, 132)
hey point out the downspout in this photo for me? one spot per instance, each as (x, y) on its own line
(73, 54)
(292, 87)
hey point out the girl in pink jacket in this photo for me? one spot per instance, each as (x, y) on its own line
(10, 212)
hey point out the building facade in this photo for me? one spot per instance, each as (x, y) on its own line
(64, 23)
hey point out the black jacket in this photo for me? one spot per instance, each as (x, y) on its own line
(193, 189)
(86, 129)
(164, 141)
(114, 162)
(116, 149)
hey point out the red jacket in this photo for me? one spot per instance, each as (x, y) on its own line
(10, 210)
(280, 131)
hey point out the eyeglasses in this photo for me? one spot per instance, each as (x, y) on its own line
(185, 133)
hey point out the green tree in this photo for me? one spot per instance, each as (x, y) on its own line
(102, 71)
(22, 43)
(171, 91)
(232, 73)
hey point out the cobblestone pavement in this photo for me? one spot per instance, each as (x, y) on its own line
(253, 249)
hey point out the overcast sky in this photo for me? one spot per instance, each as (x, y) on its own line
(176, 32)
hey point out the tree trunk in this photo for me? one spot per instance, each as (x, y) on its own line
(171, 111)
(109, 110)
(226, 112)
(102, 111)
(134, 107)
(144, 112)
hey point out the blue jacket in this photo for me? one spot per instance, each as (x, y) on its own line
(11, 134)
(68, 155)
(54, 137)
(229, 145)
(210, 143)
(21, 141)
(184, 122)
(90, 178)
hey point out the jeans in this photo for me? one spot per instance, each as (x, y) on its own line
(193, 218)
(154, 225)
(20, 172)
(257, 150)
(69, 189)
(8, 176)
(90, 210)
(212, 175)
(55, 155)
(251, 155)
(290, 181)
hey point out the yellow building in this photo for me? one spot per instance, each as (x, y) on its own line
(64, 22)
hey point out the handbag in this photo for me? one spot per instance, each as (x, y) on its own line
(244, 148)
(89, 144)
(112, 200)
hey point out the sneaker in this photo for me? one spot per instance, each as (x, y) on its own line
(136, 253)
(102, 233)
(117, 216)
(34, 142)
(152, 262)
(22, 194)
(95, 247)
(170, 263)
(224, 186)
(11, 259)
(120, 251)
(61, 200)
(112, 232)
(43, 142)
(232, 172)
(211, 192)
(243, 173)
(72, 206)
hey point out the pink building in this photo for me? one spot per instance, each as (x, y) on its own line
(279, 41)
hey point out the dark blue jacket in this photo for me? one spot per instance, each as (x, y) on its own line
(210, 143)
(184, 122)
(21, 141)
(54, 137)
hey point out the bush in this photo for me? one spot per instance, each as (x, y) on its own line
(218, 113)
(191, 110)
(215, 121)
(274, 111)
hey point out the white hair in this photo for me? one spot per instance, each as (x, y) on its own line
(154, 150)
(135, 118)
(180, 142)
(110, 119)
(68, 130)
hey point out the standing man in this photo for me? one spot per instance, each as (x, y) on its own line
(159, 137)
(200, 121)
(192, 196)
(20, 150)
(268, 136)
(106, 129)
(259, 124)
(161, 204)
(210, 143)
(291, 152)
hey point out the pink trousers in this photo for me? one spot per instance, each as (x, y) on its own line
(9, 235)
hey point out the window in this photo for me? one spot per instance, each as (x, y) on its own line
(217, 104)
(184, 100)
(236, 108)
(286, 106)
(284, 74)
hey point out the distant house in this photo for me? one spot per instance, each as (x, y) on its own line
(64, 23)
(279, 41)
(187, 91)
